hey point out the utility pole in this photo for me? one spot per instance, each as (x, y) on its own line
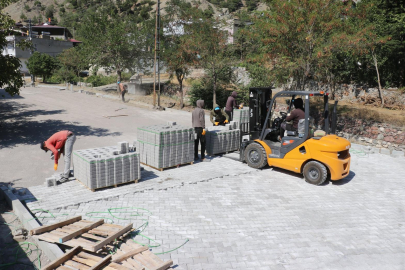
(157, 56)
(158, 49)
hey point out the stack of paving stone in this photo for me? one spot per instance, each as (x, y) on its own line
(107, 166)
(165, 146)
(242, 117)
(222, 139)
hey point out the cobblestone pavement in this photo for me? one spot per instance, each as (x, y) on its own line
(258, 219)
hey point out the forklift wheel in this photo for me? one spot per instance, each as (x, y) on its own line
(255, 156)
(315, 173)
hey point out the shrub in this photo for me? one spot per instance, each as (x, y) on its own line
(99, 80)
(203, 90)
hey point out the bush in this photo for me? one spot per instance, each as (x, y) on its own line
(203, 90)
(99, 80)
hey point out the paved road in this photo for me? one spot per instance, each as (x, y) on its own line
(235, 217)
(39, 112)
(239, 218)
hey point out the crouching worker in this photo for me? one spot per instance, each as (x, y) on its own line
(58, 143)
(218, 117)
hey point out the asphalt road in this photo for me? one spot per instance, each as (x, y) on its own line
(39, 112)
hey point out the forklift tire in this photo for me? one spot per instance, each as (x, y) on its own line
(255, 156)
(315, 173)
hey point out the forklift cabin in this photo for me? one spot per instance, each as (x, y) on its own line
(317, 157)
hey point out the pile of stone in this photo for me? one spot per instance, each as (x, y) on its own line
(222, 139)
(242, 117)
(165, 146)
(107, 166)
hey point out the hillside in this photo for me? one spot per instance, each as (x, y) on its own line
(40, 11)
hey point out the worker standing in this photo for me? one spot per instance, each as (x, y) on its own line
(231, 104)
(198, 121)
(123, 89)
(58, 143)
(218, 117)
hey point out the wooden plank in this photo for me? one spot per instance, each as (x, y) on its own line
(62, 267)
(89, 256)
(48, 228)
(64, 258)
(108, 228)
(113, 225)
(101, 263)
(87, 262)
(56, 233)
(112, 237)
(48, 238)
(128, 265)
(151, 256)
(77, 265)
(64, 230)
(99, 232)
(80, 231)
(130, 254)
(75, 242)
(135, 264)
(87, 235)
(140, 258)
(116, 266)
(163, 266)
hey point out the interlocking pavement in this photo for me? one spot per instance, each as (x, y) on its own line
(239, 218)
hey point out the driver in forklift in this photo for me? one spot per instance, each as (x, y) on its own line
(296, 115)
(218, 117)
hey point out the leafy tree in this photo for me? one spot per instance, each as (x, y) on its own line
(22, 16)
(298, 38)
(10, 78)
(49, 12)
(71, 62)
(214, 54)
(42, 64)
(114, 40)
(177, 54)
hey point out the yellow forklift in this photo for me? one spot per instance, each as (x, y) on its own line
(312, 150)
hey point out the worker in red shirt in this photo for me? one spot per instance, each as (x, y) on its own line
(58, 143)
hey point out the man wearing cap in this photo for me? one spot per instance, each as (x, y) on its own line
(58, 143)
(218, 117)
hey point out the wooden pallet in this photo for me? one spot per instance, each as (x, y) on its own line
(115, 185)
(135, 256)
(90, 235)
(161, 169)
(77, 259)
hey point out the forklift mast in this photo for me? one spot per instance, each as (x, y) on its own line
(259, 101)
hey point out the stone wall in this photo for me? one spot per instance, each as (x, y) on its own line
(370, 133)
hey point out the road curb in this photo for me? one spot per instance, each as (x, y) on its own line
(52, 251)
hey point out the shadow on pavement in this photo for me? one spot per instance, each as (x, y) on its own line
(345, 180)
(17, 127)
(13, 254)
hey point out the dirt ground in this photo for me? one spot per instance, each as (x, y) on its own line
(13, 254)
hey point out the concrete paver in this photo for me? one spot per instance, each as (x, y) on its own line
(267, 219)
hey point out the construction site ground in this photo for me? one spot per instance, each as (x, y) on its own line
(210, 215)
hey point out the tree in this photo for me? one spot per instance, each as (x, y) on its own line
(177, 54)
(49, 12)
(214, 54)
(71, 62)
(298, 38)
(10, 78)
(41, 64)
(114, 40)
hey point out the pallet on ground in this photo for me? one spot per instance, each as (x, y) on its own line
(115, 185)
(161, 169)
(77, 259)
(90, 235)
(135, 256)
